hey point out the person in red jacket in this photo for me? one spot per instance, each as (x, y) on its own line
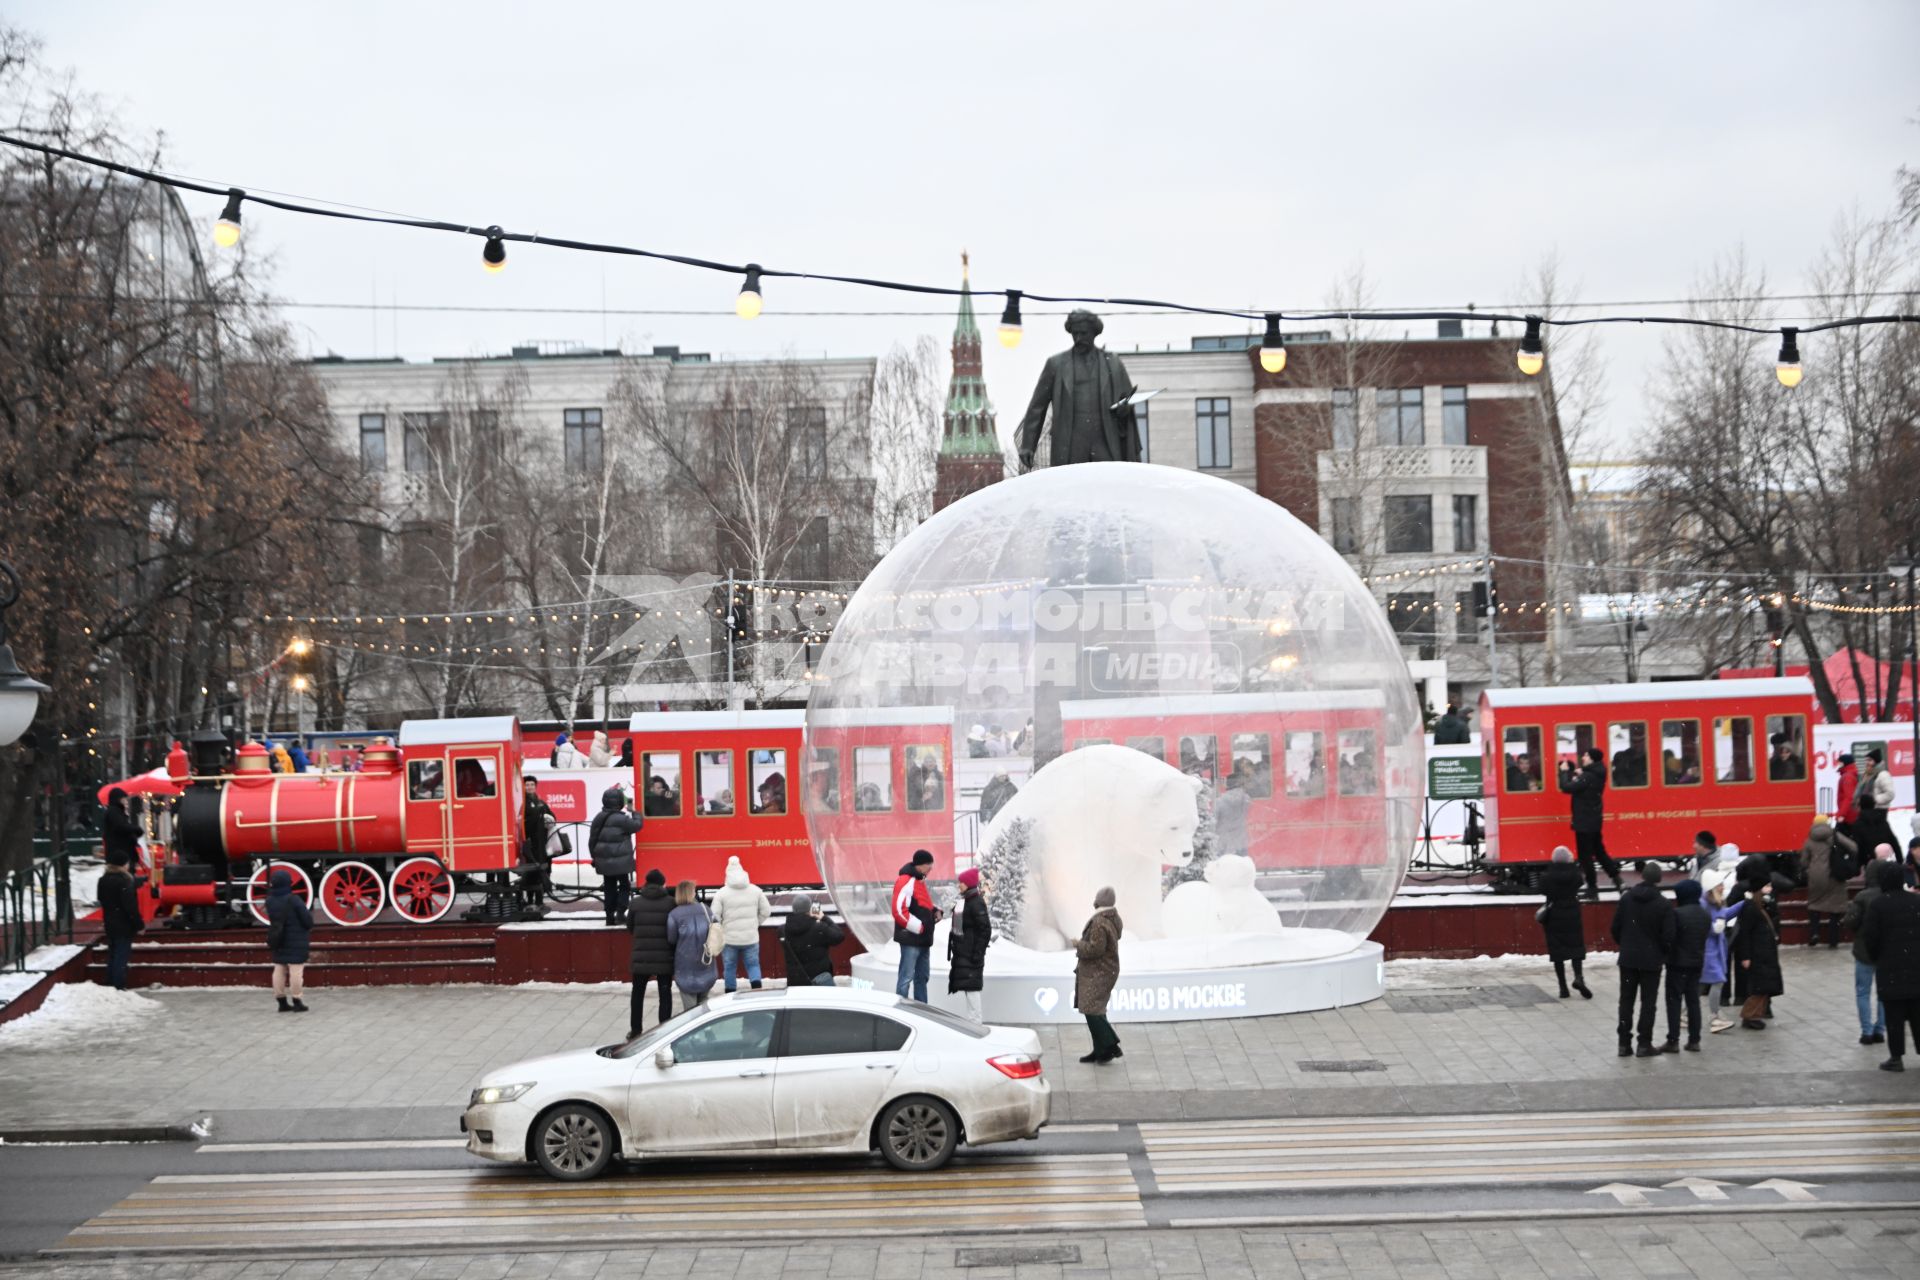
(913, 919)
(1846, 808)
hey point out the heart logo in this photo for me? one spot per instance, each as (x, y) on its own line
(1046, 998)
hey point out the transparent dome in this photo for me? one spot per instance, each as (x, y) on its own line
(1116, 605)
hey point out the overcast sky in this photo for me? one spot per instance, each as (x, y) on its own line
(1225, 154)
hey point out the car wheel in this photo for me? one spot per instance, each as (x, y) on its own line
(918, 1134)
(573, 1143)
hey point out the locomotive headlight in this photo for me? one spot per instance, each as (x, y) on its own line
(490, 1094)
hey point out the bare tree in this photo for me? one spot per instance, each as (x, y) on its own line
(906, 427)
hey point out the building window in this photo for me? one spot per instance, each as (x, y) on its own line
(1453, 415)
(1466, 522)
(422, 434)
(1466, 627)
(808, 424)
(1213, 426)
(373, 548)
(1409, 521)
(373, 442)
(1400, 420)
(1140, 418)
(1411, 614)
(808, 562)
(583, 441)
(1346, 435)
(485, 425)
(1346, 525)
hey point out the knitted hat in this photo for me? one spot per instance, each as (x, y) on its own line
(970, 878)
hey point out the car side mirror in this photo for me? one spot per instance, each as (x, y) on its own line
(663, 1056)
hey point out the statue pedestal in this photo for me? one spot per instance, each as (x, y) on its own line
(1028, 987)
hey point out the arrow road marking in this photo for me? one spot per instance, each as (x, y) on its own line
(1626, 1193)
(1704, 1188)
(1788, 1188)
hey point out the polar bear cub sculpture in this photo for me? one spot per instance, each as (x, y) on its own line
(1225, 902)
(1100, 815)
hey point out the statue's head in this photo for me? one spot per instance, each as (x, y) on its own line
(1085, 327)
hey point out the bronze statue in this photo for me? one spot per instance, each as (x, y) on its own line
(1083, 386)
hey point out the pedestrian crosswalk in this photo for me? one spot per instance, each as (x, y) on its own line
(1412, 1151)
(370, 1209)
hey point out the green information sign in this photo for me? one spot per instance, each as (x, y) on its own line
(1453, 778)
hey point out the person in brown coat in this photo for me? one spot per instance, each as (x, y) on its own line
(1095, 974)
(1826, 896)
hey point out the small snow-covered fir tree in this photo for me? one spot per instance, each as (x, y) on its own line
(1004, 867)
(1205, 844)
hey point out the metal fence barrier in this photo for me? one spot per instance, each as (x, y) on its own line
(36, 902)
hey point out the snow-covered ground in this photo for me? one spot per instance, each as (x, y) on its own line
(78, 1013)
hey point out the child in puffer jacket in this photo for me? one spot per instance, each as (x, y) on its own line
(1713, 973)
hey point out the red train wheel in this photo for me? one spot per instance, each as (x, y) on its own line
(421, 890)
(351, 894)
(262, 880)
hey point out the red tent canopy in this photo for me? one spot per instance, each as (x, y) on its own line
(154, 782)
(1859, 699)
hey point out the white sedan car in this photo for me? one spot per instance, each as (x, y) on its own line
(812, 1070)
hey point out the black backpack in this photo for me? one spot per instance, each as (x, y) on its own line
(1843, 864)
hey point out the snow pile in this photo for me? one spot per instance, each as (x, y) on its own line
(78, 1013)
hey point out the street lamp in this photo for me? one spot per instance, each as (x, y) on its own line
(19, 692)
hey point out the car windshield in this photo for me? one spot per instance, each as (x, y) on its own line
(642, 1043)
(952, 1022)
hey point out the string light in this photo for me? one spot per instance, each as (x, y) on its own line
(1531, 357)
(226, 231)
(747, 305)
(1788, 368)
(1273, 350)
(1010, 331)
(493, 258)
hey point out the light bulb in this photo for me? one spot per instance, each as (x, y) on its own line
(300, 684)
(748, 304)
(1273, 348)
(1010, 331)
(1788, 369)
(299, 647)
(1531, 358)
(226, 231)
(493, 258)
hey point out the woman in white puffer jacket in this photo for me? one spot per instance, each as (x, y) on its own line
(740, 909)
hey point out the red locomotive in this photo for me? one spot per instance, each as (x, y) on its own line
(1732, 757)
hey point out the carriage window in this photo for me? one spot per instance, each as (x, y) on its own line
(1253, 764)
(1733, 749)
(1197, 758)
(1627, 753)
(1786, 748)
(426, 780)
(1359, 774)
(823, 779)
(1306, 764)
(1520, 747)
(768, 769)
(473, 779)
(1680, 753)
(713, 775)
(1569, 740)
(661, 769)
(872, 779)
(926, 780)
(1091, 742)
(1155, 747)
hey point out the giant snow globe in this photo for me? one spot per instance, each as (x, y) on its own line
(1128, 676)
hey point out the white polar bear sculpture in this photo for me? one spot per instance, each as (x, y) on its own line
(1101, 815)
(1225, 902)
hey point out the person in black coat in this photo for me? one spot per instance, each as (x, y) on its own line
(1692, 924)
(967, 943)
(1560, 921)
(652, 955)
(120, 918)
(536, 865)
(807, 939)
(1587, 785)
(289, 940)
(610, 845)
(1756, 954)
(1891, 938)
(1643, 927)
(119, 832)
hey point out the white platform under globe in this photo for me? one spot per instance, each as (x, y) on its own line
(1127, 676)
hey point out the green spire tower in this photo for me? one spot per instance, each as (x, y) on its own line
(970, 454)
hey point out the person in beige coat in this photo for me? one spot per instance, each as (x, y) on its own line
(1096, 972)
(1826, 896)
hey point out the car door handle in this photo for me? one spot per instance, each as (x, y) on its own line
(879, 1066)
(751, 1075)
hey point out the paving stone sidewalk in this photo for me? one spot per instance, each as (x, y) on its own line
(1450, 1036)
(1802, 1246)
